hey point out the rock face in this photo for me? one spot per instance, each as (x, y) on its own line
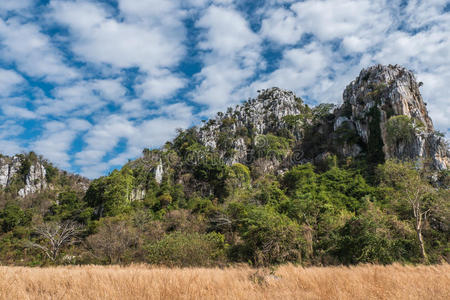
(8, 169)
(35, 180)
(26, 174)
(31, 180)
(383, 92)
(262, 115)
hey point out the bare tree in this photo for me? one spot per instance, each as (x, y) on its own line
(113, 240)
(54, 236)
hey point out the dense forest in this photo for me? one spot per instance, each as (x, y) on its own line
(270, 182)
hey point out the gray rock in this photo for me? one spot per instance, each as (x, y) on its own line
(394, 91)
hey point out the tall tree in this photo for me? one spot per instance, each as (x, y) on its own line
(408, 186)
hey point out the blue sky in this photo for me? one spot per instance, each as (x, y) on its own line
(90, 83)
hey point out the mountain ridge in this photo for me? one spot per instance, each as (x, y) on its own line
(296, 133)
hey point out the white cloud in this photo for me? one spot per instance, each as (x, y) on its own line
(17, 112)
(10, 147)
(160, 87)
(56, 141)
(33, 52)
(282, 26)
(150, 36)
(13, 5)
(82, 98)
(232, 56)
(10, 128)
(9, 81)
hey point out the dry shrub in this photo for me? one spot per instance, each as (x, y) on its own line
(287, 282)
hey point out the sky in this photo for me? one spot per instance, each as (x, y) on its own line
(89, 84)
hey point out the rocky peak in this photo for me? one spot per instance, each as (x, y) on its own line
(378, 95)
(393, 89)
(267, 110)
(258, 116)
(262, 114)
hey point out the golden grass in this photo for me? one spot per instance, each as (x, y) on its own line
(287, 282)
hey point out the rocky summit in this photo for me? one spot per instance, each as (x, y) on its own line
(383, 93)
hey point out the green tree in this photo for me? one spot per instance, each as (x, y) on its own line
(270, 237)
(110, 195)
(12, 216)
(408, 188)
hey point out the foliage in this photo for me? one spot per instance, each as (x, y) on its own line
(111, 195)
(401, 129)
(269, 237)
(12, 216)
(187, 249)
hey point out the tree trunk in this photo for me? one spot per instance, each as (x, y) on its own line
(418, 215)
(422, 245)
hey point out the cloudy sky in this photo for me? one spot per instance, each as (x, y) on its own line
(89, 83)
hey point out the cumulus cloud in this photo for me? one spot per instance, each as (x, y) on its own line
(10, 147)
(9, 81)
(56, 141)
(33, 52)
(231, 56)
(14, 5)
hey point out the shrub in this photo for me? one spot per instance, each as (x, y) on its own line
(400, 129)
(270, 238)
(188, 249)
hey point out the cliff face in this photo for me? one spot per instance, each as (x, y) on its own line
(380, 94)
(26, 174)
(29, 176)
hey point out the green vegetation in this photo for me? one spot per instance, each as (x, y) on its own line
(208, 208)
(214, 214)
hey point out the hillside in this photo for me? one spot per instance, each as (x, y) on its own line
(270, 181)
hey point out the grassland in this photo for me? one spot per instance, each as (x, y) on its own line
(286, 282)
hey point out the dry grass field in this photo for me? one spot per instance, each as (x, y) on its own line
(286, 282)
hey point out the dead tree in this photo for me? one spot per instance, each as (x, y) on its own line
(54, 236)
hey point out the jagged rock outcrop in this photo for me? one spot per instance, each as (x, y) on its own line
(380, 93)
(8, 169)
(35, 180)
(31, 177)
(27, 174)
(262, 115)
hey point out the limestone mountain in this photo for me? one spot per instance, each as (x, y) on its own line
(270, 181)
(382, 116)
